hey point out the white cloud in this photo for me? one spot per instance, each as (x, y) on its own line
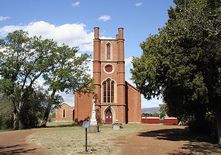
(138, 4)
(2, 18)
(76, 4)
(128, 61)
(104, 37)
(10, 28)
(2, 49)
(70, 34)
(104, 18)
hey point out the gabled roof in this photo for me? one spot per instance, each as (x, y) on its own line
(66, 104)
(127, 83)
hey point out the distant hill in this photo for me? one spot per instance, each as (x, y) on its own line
(151, 110)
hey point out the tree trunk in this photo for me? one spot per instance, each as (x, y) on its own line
(15, 120)
(21, 125)
(48, 109)
(218, 122)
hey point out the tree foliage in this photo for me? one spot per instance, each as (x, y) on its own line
(183, 61)
(68, 73)
(24, 60)
(163, 110)
(31, 113)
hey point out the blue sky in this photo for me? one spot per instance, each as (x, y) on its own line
(72, 22)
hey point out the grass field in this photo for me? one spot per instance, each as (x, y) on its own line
(71, 140)
(61, 124)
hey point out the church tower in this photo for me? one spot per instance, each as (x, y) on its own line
(115, 98)
(109, 76)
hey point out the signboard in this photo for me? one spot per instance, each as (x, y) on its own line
(86, 124)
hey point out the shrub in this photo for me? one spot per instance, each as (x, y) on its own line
(6, 113)
(206, 125)
(117, 123)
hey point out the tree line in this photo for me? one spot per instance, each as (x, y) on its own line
(183, 64)
(33, 71)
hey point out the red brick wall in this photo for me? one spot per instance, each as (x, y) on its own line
(151, 120)
(68, 113)
(83, 102)
(134, 104)
(132, 101)
(170, 121)
(83, 106)
(156, 120)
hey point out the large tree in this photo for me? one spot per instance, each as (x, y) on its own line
(183, 61)
(24, 60)
(69, 73)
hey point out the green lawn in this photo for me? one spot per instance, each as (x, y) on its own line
(70, 140)
(60, 124)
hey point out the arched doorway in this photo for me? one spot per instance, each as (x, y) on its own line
(108, 116)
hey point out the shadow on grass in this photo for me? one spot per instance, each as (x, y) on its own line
(15, 149)
(177, 134)
(61, 124)
(197, 142)
(198, 148)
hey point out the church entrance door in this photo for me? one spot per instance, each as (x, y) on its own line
(108, 117)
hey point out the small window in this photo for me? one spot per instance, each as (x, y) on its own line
(64, 114)
(108, 51)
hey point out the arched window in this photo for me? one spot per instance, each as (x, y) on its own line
(64, 114)
(108, 51)
(108, 91)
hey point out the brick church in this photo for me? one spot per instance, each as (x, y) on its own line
(116, 99)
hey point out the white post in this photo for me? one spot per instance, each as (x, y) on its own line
(93, 121)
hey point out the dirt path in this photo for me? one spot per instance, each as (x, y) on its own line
(151, 140)
(15, 142)
(161, 140)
